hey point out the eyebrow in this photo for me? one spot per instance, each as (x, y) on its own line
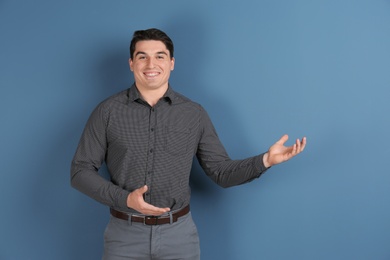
(144, 53)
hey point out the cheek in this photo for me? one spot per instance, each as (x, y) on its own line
(168, 67)
(136, 67)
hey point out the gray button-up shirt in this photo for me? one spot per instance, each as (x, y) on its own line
(154, 146)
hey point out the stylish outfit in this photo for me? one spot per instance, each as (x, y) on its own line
(153, 146)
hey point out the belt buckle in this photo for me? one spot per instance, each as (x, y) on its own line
(149, 218)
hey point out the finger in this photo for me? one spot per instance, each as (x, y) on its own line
(294, 149)
(153, 210)
(298, 142)
(303, 143)
(282, 140)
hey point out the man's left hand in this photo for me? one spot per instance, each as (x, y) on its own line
(279, 153)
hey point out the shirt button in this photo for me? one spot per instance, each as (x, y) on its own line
(151, 150)
(152, 129)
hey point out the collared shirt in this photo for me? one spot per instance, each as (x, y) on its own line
(155, 146)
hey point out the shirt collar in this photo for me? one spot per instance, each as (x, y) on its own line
(170, 96)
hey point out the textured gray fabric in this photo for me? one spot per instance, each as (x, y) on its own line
(154, 146)
(124, 240)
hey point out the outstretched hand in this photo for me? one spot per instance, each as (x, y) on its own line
(279, 153)
(136, 201)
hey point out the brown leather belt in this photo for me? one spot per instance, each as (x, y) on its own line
(151, 220)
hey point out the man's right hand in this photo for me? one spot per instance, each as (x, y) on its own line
(136, 201)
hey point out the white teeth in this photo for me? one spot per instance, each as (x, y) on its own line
(151, 74)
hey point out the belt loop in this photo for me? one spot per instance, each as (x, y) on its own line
(170, 217)
(130, 220)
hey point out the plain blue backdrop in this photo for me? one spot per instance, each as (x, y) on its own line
(260, 68)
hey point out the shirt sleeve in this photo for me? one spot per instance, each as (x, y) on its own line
(89, 157)
(217, 164)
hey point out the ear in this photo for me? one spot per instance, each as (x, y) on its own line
(172, 63)
(131, 64)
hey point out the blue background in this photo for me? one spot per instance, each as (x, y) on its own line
(260, 68)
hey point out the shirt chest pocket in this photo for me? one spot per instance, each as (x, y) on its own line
(176, 140)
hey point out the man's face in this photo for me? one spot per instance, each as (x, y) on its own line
(151, 65)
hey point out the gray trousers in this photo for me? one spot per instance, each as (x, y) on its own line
(125, 240)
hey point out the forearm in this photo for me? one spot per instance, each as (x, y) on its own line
(229, 173)
(89, 182)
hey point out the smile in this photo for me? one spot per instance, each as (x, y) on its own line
(151, 74)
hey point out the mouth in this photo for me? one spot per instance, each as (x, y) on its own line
(151, 75)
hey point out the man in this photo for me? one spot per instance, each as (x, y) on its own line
(148, 136)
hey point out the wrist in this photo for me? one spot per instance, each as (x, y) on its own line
(265, 160)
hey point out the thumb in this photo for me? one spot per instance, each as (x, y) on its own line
(143, 189)
(282, 140)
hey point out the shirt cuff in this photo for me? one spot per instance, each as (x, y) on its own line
(259, 164)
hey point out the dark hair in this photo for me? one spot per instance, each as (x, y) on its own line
(154, 35)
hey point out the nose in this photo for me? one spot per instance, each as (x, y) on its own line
(150, 63)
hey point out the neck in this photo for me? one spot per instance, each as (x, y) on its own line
(152, 96)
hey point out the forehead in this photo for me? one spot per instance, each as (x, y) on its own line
(150, 47)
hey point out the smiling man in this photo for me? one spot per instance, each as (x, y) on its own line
(148, 136)
(152, 65)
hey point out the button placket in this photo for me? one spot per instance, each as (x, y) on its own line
(150, 160)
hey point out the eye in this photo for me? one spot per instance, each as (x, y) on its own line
(160, 57)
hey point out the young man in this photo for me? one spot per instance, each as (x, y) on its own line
(148, 136)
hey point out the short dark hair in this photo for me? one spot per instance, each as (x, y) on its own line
(151, 34)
